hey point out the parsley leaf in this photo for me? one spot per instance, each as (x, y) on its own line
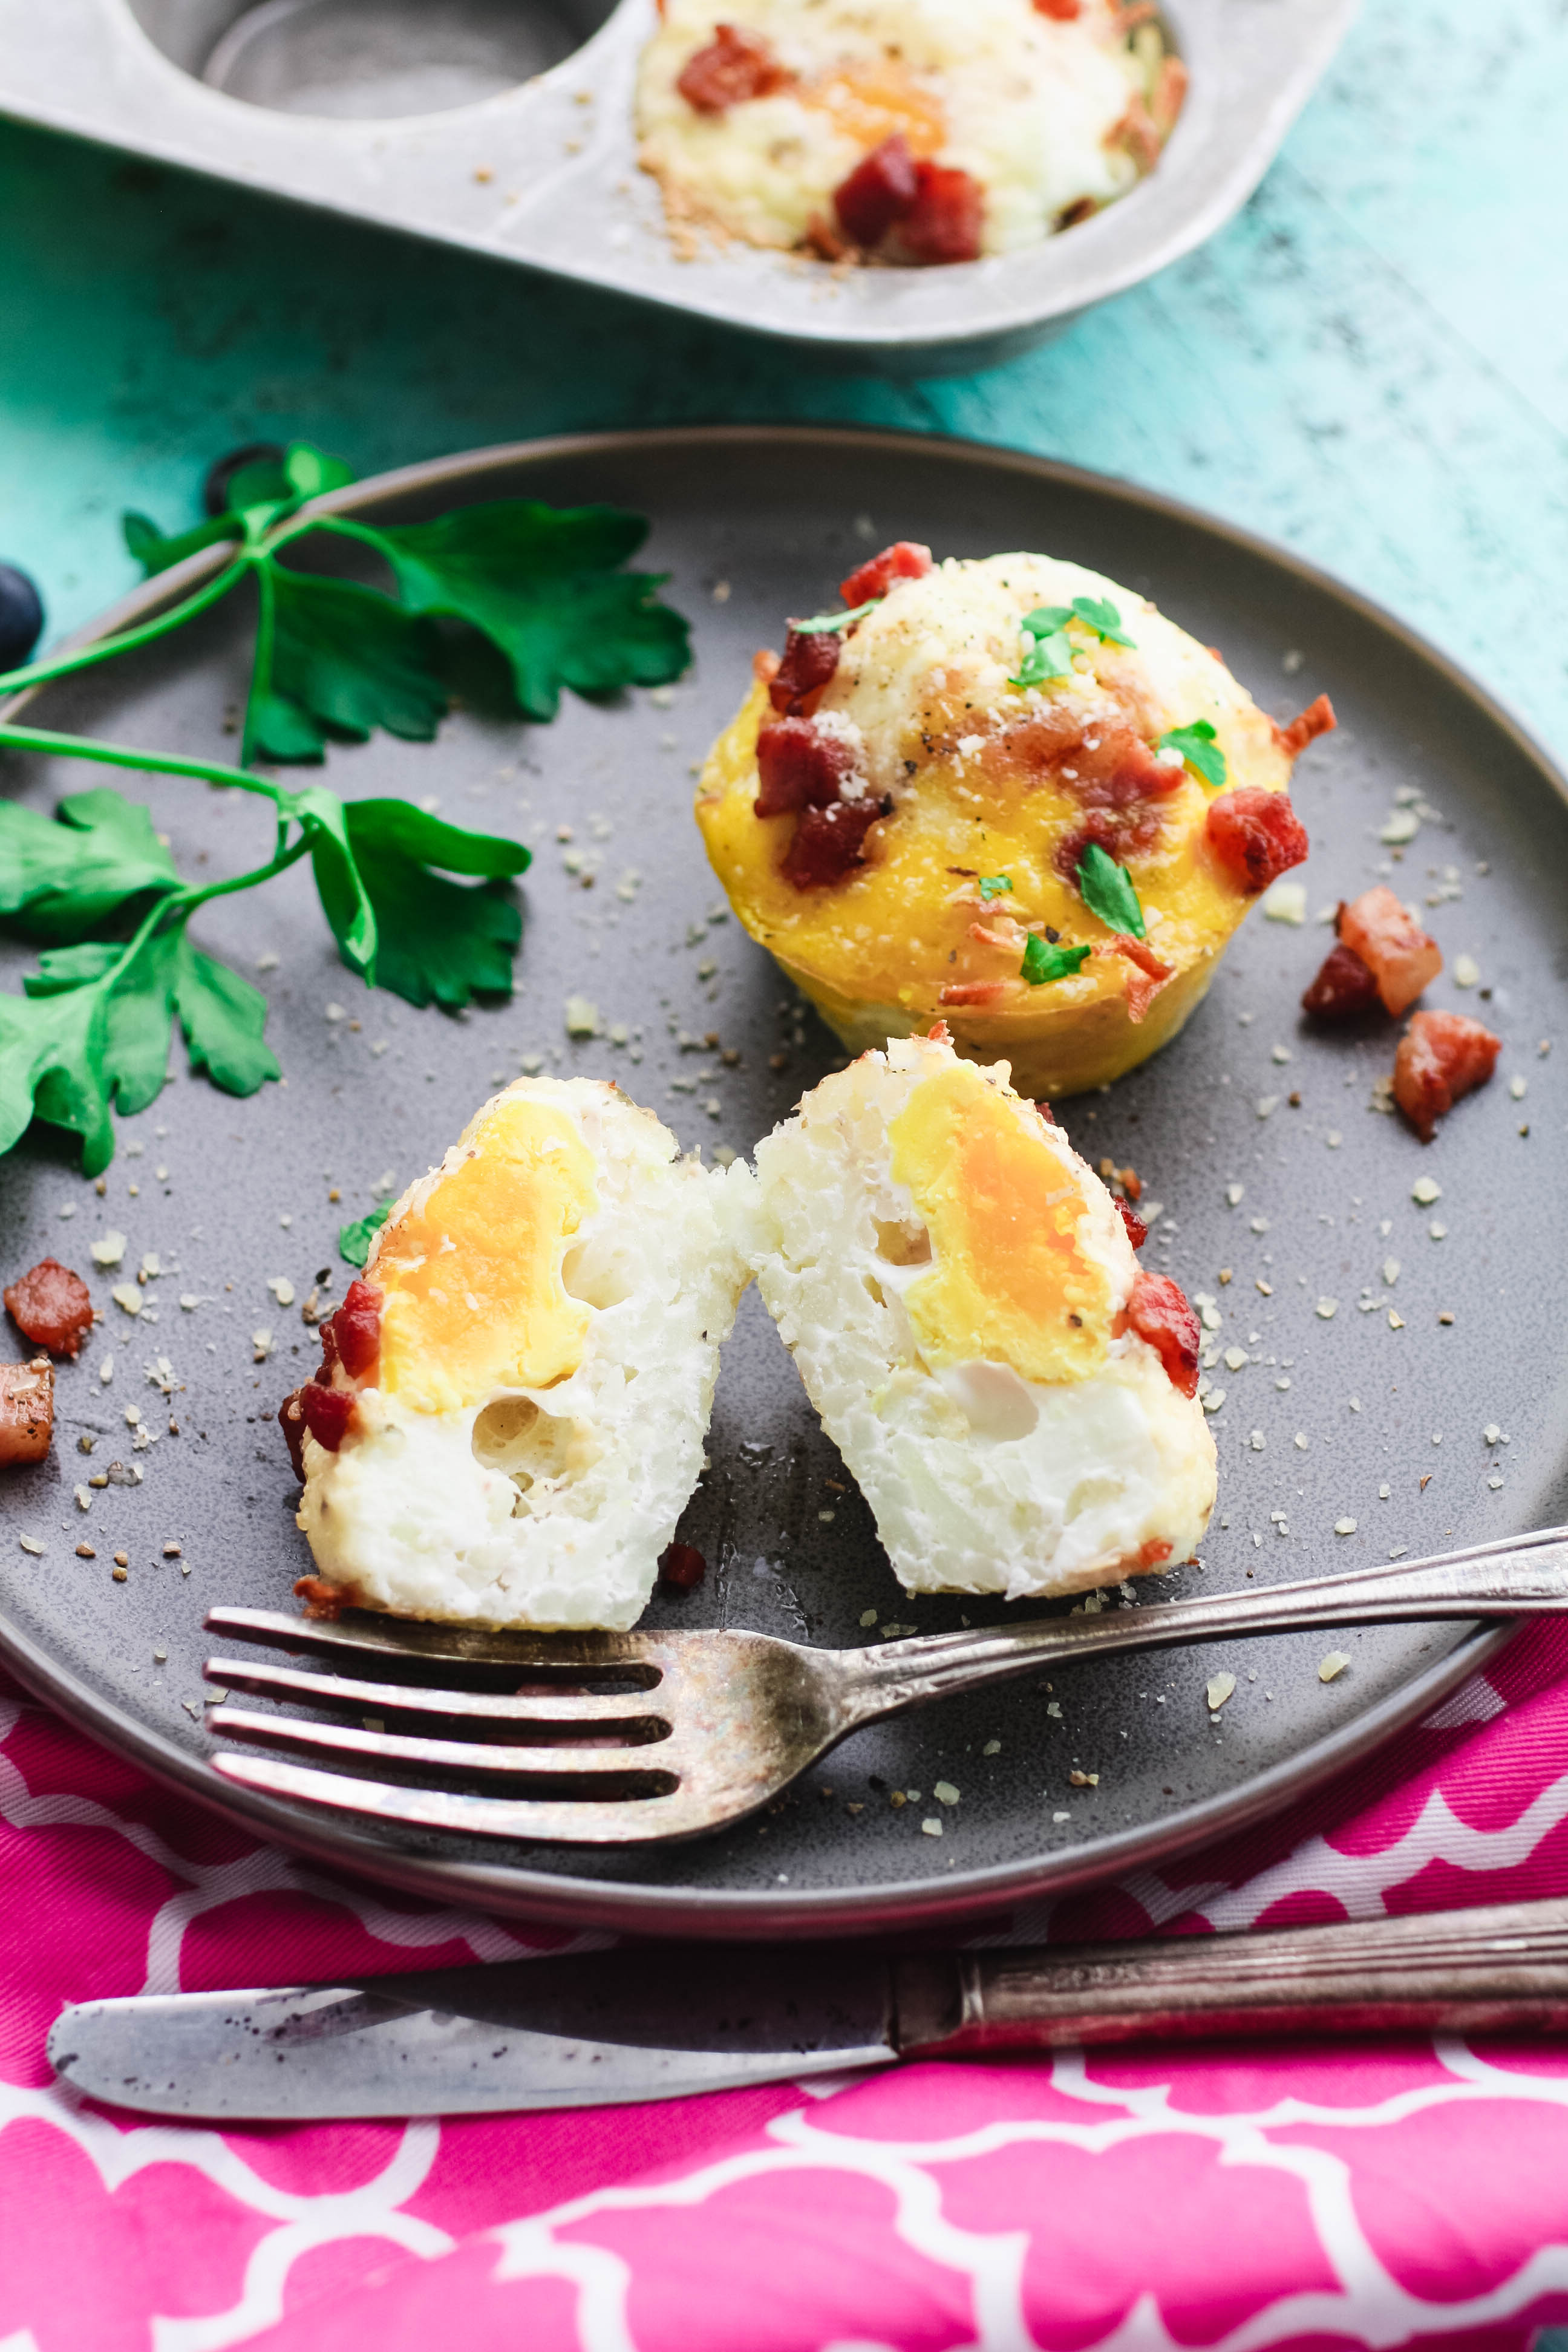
(257, 495)
(543, 583)
(1043, 962)
(396, 923)
(354, 1240)
(1049, 656)
(1051, 653)
(340, 886)
(133, 1056)
(156, 553)
(1199, 750)
(222, 1016)
(437, 942)
(336, 659)
(1107, 892)
(820, 623)
(51, 1067)
(1098, 614)
(308, 471)
(64, 876)
(93, 1024)
(993, 885)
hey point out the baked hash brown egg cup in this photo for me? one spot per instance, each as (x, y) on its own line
(1005, 793)
(1016, 1398)
(511, 1412)
(901, 131)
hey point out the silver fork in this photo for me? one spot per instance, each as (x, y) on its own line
(708, 1726)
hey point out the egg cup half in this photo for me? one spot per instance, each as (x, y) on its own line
(1014, 1396)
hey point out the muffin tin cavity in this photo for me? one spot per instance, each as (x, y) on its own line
(367, 59)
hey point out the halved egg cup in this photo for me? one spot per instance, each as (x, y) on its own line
(505, 126)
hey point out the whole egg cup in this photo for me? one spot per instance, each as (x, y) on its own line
(970, 780)
(544, 171)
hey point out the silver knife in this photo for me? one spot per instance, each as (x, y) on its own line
(643, 2023)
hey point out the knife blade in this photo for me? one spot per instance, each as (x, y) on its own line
(670, 2022)
(595, 2030)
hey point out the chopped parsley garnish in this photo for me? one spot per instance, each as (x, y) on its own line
(820, 622)
(354, 1241)
(333, 661)
(1107, 892)
(1050, 655)
(1098, 614)
(993, 885)
(1199, 750)
(1042, 962)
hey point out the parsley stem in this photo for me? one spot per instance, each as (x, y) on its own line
(341, 528)
(62, 665)
(261, 661)
(180, 904)
(193, 895)
(121, 755)
(151, 921)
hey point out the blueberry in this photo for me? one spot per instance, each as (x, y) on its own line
(21, 616)
(222, 471)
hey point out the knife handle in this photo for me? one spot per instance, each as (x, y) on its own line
(1502, 1969)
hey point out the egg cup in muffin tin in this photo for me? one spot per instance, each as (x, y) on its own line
(506, 126)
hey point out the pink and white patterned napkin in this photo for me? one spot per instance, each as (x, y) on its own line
(1239, 2199)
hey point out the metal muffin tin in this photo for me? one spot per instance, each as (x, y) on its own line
(544, 171)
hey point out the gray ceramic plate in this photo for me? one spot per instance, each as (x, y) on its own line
(359, 106)
(1349, 1409)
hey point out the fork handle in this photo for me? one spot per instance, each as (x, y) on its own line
(1524, 1577)
(1502, 1969)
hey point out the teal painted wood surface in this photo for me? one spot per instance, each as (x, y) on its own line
(1371, 363)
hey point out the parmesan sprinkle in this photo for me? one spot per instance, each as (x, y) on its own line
(1286, 903)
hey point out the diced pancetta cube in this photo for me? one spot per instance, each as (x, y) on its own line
(1392, 944)
(1441, 1056)
(27, 1412)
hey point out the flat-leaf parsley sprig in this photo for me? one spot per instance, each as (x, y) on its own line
(1200, 751)
(333, 661)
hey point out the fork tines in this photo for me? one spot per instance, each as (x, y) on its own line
(581, 1765)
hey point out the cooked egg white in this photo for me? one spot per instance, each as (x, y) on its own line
(925, 689)
(554, 1296)
(1028, 106)
(950, 1278)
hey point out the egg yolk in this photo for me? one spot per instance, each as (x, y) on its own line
(1012, 1282)
(869, 103)
(472, 1296)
